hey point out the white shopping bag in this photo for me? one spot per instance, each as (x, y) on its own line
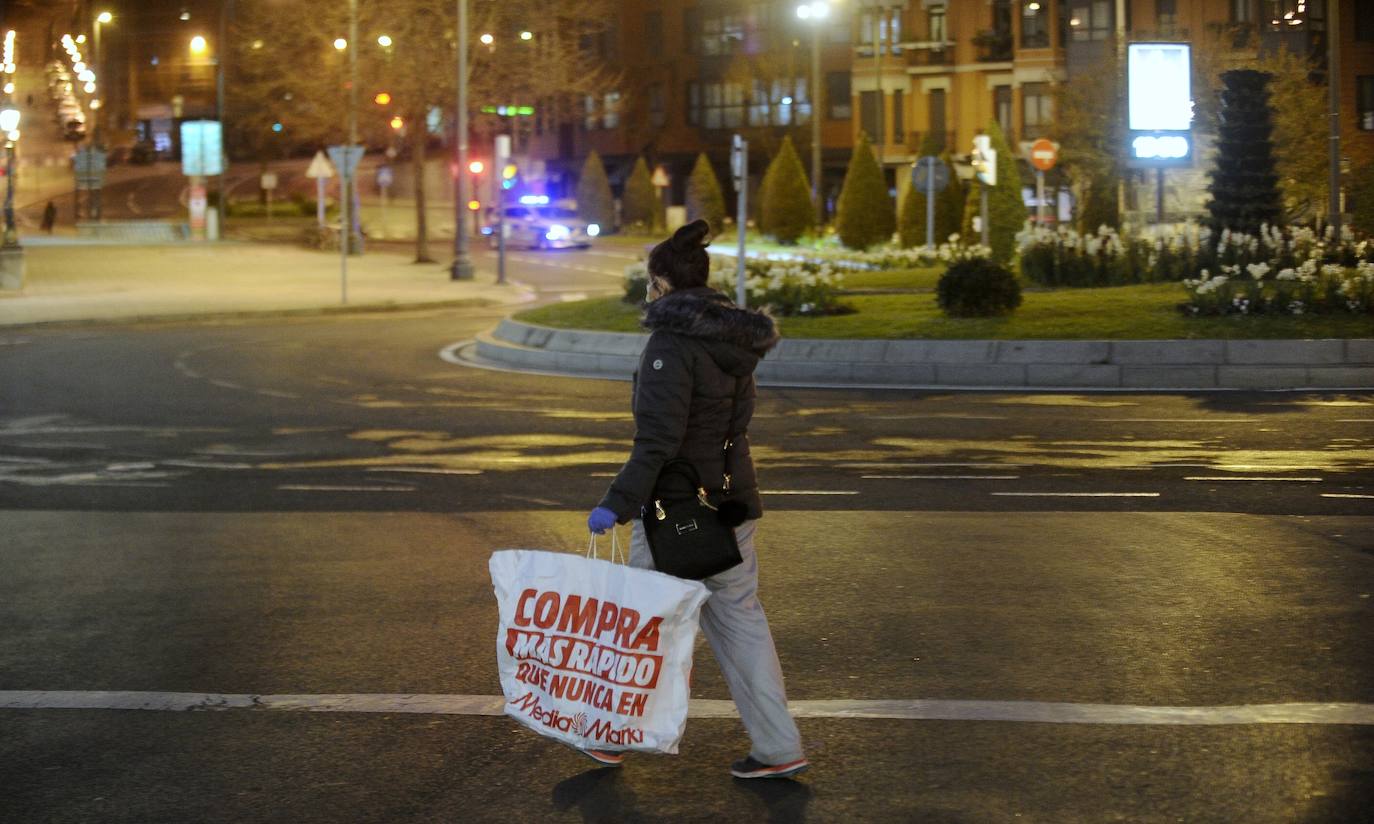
(593, 653)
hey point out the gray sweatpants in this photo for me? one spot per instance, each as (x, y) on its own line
(735, 626)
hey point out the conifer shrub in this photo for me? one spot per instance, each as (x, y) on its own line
(595, 203)
(865, 215)
(639, 205)
(786, 212)
(977, 287)
(704, 197)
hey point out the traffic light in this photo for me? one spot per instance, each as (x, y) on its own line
(382, 99)
(984, 160)
(477, 167)
(508, 173)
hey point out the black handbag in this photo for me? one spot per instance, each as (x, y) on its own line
(688, 536)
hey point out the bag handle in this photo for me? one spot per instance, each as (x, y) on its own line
(614, 548)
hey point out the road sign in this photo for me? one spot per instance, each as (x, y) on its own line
(660, 177)
(1043, 154)
(319, 167)
(89, 164)
(984, 159)
(385, 177)
(197, 201)
(201, 149)
(269, 180)
(345, 158)
(929, 173)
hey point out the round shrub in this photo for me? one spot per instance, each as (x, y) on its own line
(977, 288)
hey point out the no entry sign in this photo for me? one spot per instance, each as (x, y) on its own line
(1043, 154)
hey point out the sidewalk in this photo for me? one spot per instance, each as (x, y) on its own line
(70, 281)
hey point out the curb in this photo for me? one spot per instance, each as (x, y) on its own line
(212, 316)
(1016, 365)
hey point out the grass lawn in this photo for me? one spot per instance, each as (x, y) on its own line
(924, 278)
(1146, 312)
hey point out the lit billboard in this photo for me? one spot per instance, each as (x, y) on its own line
(1159, 104)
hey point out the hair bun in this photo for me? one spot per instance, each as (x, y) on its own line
(691, 236)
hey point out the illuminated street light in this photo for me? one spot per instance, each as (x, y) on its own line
(487, 39)
(382, 99)
(9, 123)
(79, 67)
(815, 12)
(340, 43)
(476, 167)
(80, 39)
(90, 88)
(185, 15)
(384, 41)
(9, 88)
(397, 122)
(104, 17)
(526, 35)
(198, 45)
(86, 76)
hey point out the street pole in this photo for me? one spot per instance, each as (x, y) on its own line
(222, 52)
(1333, 90)
(816, 191)
(930, 207)
(347, 174)
(11, 235)
(983, 197)
(1159, 197)
(740, 164)
(462, 268)
(1039, 198)
(102, 79)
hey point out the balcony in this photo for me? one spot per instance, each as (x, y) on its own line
(993, 46)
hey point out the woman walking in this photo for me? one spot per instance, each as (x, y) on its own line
(693, 390)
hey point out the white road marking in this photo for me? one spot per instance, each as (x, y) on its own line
(277, 393)
(940, 477)
(1207, 421)
(424, 470)
(894, 709)
(1241, 478)
(206, 465)
(310, 488)
(1077, 494)
(566, 297)
(603, 474)
(808, 492)
(1355, 420)
(1346, 495)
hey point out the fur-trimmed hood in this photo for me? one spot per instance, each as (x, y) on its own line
(736, 338)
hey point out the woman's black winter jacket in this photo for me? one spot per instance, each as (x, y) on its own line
(701, 354)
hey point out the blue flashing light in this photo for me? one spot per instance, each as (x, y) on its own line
(534, 200)
(276, 127)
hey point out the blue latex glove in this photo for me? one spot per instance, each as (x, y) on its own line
(600, 520)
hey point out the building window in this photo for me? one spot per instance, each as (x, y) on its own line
(1165, 15)
(610, 116)
(1242, 11)
(1091, 21)
(589, 112)
(736, 33)
(869, 116)
(898, 119)
(715, 105)
(939, 32)
(1295, 15)
(936, 101)
(783, 102)
(658, 115)
(837, 95)
(1035, 29)
(1364, 102)
(1364, 21)
(653, 34)
(1037, 109)
(1001, 108)
(887, 24)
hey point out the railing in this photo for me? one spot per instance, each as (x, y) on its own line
(993, 46)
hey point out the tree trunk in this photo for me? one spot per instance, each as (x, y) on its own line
(417, 165)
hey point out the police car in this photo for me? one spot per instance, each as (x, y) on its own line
(536, 224)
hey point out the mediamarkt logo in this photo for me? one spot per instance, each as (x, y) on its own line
(577, 724)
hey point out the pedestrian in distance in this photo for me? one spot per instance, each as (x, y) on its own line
(694, 387)
(49, 217)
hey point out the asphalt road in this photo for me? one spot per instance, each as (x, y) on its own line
(306, 506)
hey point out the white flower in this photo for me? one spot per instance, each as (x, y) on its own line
(1257, 270)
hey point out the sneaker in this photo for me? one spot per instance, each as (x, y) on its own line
(605, 757)
(750, 768)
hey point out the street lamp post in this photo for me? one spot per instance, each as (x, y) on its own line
(101, 19)
(9, 124)
(462, 268)
(815, 13)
